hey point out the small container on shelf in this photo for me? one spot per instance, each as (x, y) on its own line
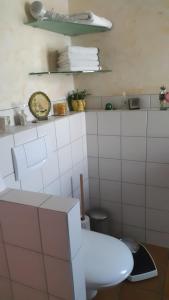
(60, 109)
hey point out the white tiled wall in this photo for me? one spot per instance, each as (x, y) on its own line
(128, 155)
(67, 156)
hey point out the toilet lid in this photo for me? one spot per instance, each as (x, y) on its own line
(107, 260)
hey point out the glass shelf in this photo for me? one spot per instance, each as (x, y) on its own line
(68, 72)
(67, 28)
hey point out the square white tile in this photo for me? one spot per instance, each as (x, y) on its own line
(116, 229)
(158, 150)
(93, 167)
(133, 123)
(157, 174)
(91, 122)
(11, 183)
(77, 151)
(133, 194)
(134, 232)
(94, 188)
(65, 159)
(32, 181)
(6, 165)
(3, 265)
(92, 145)
(76, 129)
(134, 148)
(86, 194)
(23, 292)
(109, 123)
(110, 191)
(53, 188)
(62, 132)
(50, 169)
(94, 202)
(25, 136)
(133, 172)
(59, 278)
(157, 238)
(157, 198)
(116, 101)
(48, 131)
(32, 272)
(158, 123)
(162, 225)
(5, 289)
(110, 169)
(66, 184)
(80, 168)
(109, 146)
(20, 225)
(134, 215)
(54, 233)
(84, 139)
(93, 102)
(155, 102)
(83, 120)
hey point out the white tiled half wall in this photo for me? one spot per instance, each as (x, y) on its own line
(65, 139)
(40, 247)
(128, 155)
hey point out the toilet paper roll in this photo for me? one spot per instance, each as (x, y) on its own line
(85, 223)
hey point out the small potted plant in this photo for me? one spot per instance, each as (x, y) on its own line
(76, 100)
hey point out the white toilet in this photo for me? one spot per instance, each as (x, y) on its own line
(107, 261)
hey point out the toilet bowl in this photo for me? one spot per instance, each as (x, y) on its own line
(107, 261)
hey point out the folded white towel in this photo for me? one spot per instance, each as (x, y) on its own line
(82, 64)
(82, 16)
(89, 18)
(80, 68)
(80, 50)
(77, 57)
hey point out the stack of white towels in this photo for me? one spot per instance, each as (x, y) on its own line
(75, 58)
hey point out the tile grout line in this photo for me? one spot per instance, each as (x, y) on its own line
(122, 210)
(146, 177)
(98, 162)
(42, 253)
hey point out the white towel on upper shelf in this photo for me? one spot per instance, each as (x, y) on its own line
(80, 50)
(90, 18)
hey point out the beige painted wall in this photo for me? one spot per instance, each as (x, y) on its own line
(137, 48)
(24, 49)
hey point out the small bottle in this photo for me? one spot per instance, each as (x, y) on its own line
(163, 104)
(23, 118)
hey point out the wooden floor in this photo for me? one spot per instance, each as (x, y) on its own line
(151, 289)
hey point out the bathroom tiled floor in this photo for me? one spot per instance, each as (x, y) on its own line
(151, 289)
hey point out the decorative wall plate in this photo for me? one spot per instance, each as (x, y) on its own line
(39, 105)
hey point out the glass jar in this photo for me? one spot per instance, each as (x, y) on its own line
(60, 109)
